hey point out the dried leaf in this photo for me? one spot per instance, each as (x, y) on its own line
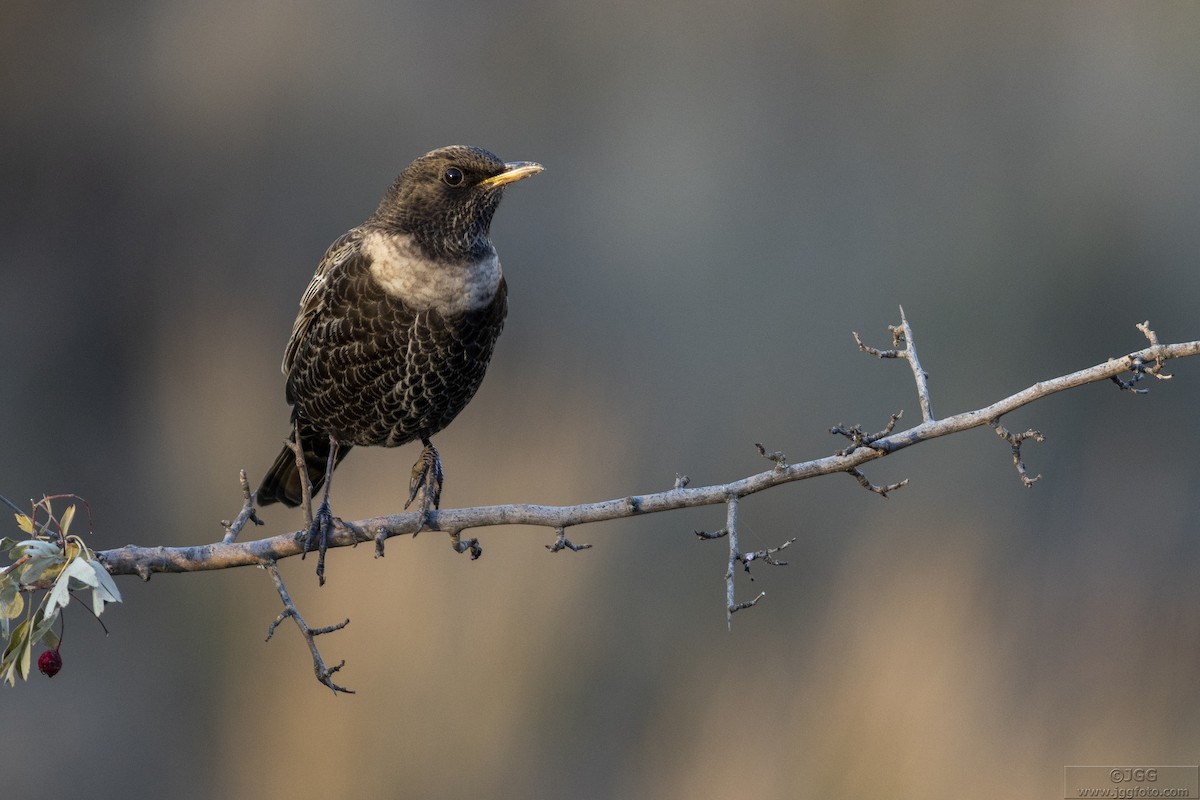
(43, 630)
(107, 587)
(64, 521)
(18, 646)
(59, 596)
(26, 656)
(80, 569)
(45, 560)
(37, 547)
(12, 602)
(72, 547)
(50, 640)
(24, 523)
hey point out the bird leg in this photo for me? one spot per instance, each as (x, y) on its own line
(321, 523)
(426, 479)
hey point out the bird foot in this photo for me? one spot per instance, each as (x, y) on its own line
(426, 479)
(318, 537)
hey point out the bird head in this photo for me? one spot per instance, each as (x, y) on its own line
(446, 198)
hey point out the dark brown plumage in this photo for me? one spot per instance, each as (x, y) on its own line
(397, 327)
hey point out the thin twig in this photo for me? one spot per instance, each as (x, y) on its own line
(460, 544)
(705, 535)
(882, 491)
(736, 556)
(902, 334)
(766, 556)
(859, 439)
(247, 514)
(747, 604)
(324, 674)
(1015, 440)
(776, 457)
(731, 531)
(561, 542)
(919, 375)
(1139, 368)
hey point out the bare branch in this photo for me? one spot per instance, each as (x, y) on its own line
(144, 561)
(864, 447)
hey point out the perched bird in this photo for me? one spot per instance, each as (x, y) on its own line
(396, 329)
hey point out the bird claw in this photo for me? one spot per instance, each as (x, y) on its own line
(426, 480)
(318, 537)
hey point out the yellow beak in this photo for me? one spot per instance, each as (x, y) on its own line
(513, 172)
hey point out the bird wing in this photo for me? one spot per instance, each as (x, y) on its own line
(312, 302)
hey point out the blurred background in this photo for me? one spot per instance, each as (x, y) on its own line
(731, 189)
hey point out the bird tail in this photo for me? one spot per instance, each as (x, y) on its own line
(282, 481)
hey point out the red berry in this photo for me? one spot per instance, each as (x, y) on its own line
(49, 663)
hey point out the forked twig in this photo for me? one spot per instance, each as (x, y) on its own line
(247, 514)
(324, 674)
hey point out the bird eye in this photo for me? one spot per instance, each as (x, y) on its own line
(453, 176)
